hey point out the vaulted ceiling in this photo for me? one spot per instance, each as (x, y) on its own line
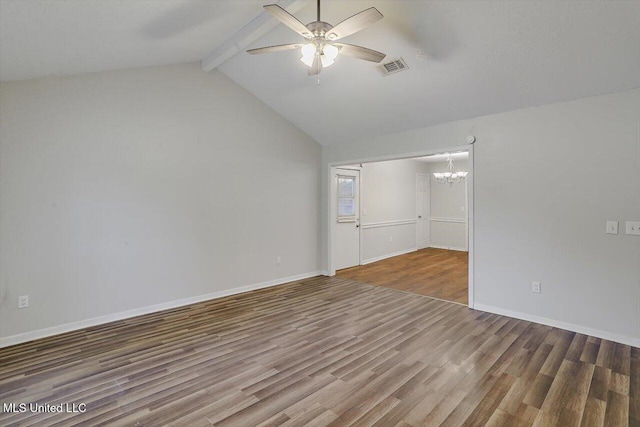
(61, 37)
(466, 58)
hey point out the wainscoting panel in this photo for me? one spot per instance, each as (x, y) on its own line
(386, 239)
(448, 233)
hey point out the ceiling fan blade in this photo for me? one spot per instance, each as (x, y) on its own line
(316, 67)
(289, 20)
(277, 48)
(355, 23)
(360, 52)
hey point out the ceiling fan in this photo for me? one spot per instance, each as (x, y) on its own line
(321, 49)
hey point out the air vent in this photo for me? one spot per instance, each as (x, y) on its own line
(393, 67)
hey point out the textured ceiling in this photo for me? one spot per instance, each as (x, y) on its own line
(60, 37)
(466, 58)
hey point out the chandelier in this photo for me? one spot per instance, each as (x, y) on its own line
(451, 176)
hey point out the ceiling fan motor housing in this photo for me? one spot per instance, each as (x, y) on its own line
(320, 29)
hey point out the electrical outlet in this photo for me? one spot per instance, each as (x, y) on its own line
(390, 239)
(612, 227)
(23, 301)
(278, 259)
(633, 227)
(535, 287)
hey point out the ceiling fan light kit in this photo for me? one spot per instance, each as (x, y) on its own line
(327, 52)
(321, 50)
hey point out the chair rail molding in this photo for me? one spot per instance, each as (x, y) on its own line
(454, 220)
(388, 223)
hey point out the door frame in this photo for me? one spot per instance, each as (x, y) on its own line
(428, 218)
(470, 201)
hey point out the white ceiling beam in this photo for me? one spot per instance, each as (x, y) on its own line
(251, 32)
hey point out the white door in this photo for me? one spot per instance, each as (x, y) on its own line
(347, 218)
(422, 210)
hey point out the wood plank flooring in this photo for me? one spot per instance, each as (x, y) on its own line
(324, 351)
(437, 273)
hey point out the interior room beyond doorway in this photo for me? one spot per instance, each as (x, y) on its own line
(408, 223)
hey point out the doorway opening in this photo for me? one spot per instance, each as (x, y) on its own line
(405, 224)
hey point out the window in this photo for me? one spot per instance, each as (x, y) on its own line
(346, 198)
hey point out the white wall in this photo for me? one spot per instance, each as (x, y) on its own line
(389, 190)
(126, 189)
(545, 181)
(388, 199)
(448, 209)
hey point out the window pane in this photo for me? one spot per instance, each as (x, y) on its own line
(346, 186)
(346, 206)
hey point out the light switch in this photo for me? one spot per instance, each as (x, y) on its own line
(633, 227)
(612, 227)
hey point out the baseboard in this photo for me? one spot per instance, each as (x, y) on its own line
(449, 248)
(635, 342)
(74, 326)
(380, 258)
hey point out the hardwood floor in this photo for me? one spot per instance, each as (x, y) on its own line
(324, 351)
(437, 273)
